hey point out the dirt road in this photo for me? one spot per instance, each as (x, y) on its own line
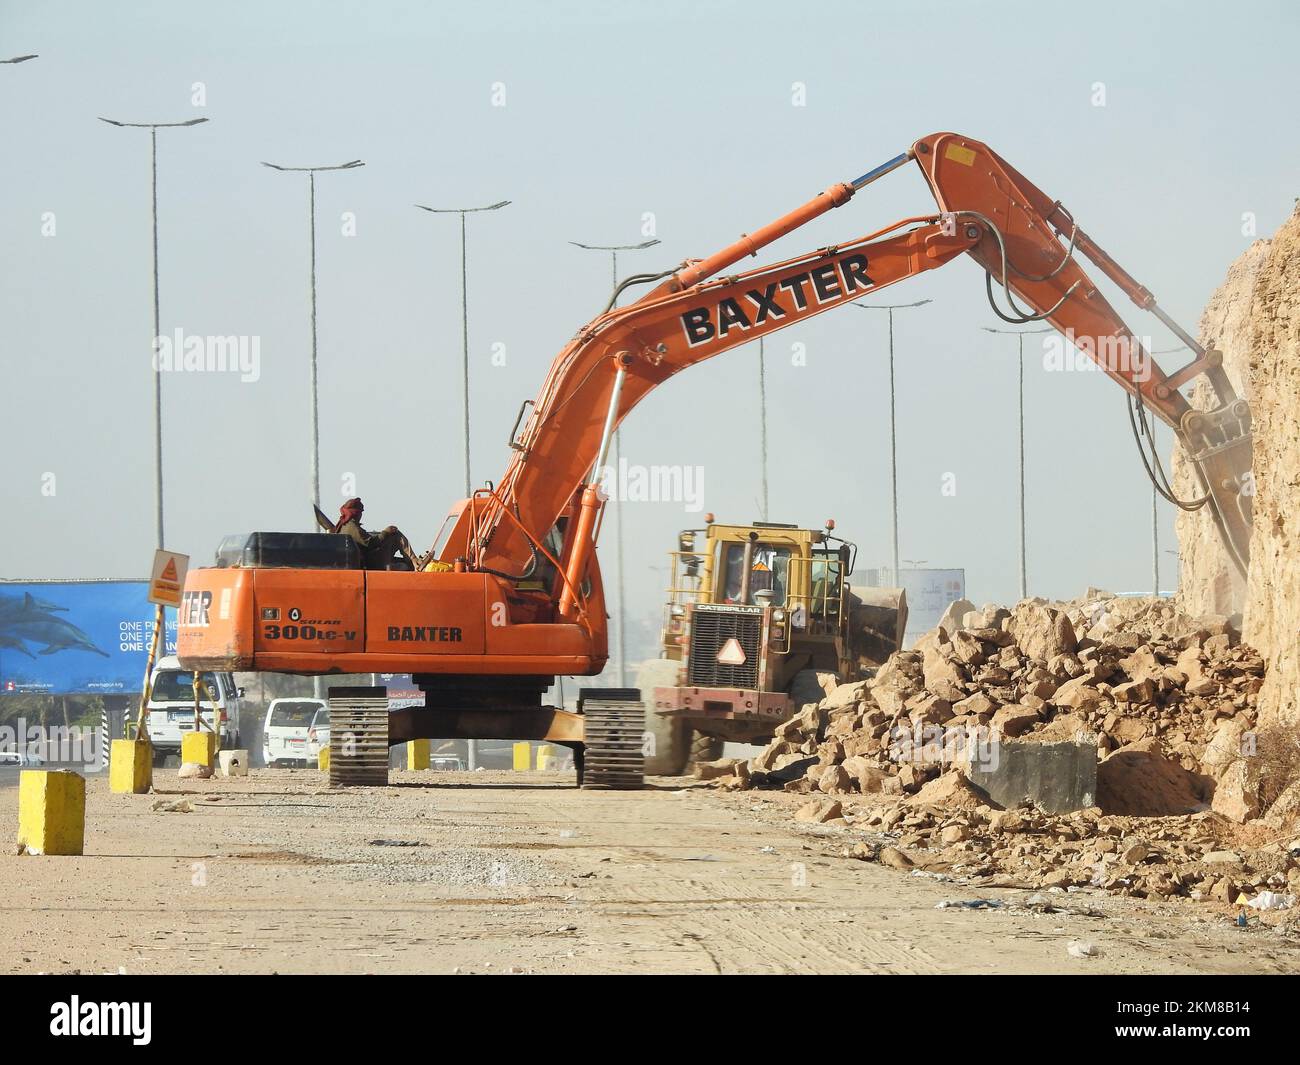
(276, 873)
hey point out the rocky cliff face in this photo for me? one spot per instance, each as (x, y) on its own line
(1254, 318)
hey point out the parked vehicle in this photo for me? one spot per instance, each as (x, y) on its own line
(171, 706)
(285, 734)
(318, 734)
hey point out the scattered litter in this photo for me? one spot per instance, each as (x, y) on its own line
(702, 858)
(397, 843)
(970, 904)
(181, 806)
(1080, 948)
(568, 833)
(766, 850)
(1271, 900)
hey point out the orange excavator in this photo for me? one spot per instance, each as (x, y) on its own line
(514, 596)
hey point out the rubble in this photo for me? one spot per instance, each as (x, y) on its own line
(1168, 701)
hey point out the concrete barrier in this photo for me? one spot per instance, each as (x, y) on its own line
(199, 748)
(233, 763)
(130, 770)
(52, 811)
(1055, 777)
(417, 754)
(523, 757)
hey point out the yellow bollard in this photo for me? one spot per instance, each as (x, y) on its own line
(523, 753)
(199, 747)
(323, 760)
(130, 768)
(417, 754)
(545, 758)
(51, 811)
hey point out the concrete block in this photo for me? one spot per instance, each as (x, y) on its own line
(233, 763)
(417, 754)
(547, 755)
(523, 757)
(1055, 777)
(323, 760)
(52, 811)
(199, 748)
(130, 768)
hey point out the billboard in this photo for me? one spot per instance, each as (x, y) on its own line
(402, 690)
(76, 637)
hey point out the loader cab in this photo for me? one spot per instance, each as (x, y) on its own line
(800, 572)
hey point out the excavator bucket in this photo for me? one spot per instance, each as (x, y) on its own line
(1220, 444)
(877, 622)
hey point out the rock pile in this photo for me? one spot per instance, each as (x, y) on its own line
(1183, 856)
(1168, 699)
(1175, 696)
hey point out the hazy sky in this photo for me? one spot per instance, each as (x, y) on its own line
(616, 117)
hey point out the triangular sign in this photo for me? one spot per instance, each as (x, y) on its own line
(732, 654)
(169, 571)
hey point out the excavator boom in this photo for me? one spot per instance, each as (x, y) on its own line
(987, 208)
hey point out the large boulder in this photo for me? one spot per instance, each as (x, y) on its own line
(1041, 632)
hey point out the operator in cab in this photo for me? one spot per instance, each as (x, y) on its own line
(377, 548)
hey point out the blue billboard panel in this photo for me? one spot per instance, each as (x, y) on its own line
(76, 637)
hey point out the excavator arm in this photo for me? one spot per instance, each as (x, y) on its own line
(1026, 243)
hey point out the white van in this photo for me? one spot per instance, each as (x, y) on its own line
(284, 736)
(171, 706)
(318, 735)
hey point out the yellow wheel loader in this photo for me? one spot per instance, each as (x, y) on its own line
(760, 620)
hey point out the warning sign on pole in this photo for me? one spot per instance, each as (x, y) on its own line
(168, 578)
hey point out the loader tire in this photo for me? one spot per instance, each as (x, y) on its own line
(670, 749)
(706, 748)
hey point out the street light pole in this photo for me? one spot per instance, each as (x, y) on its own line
(621, 643)
(311, 172)
(153, 128)
(762, 424)
(1020, 335)
(893, 428)
(464, 316)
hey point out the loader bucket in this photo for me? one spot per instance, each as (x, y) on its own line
(877, 621)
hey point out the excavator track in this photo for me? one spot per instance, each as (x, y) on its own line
(613, 756)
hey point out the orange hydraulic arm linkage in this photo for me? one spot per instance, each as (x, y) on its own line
(1025, 242)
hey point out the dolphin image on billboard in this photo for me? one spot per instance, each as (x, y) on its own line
(75, 637)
